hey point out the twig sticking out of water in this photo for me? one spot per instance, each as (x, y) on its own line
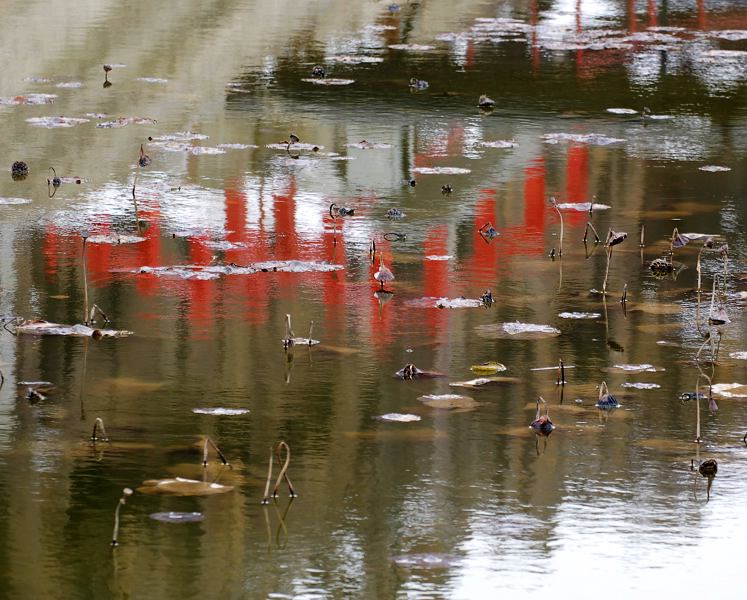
(288, 340)
(561, 373)
(643, 234)
(84, 234)
(126, 493)
(624, 298)
(209, 442)
(283, 474)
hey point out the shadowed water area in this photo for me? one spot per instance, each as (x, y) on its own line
(403, 491)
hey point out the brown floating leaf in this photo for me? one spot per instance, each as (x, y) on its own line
(516, 330)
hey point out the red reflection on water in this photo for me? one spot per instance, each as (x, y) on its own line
(577, 179)
(485, 258)
(436, 276)
(534, 196)
(652, 16)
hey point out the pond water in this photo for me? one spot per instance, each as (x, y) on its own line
(231, 229)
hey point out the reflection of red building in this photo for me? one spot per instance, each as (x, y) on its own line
(436, 276)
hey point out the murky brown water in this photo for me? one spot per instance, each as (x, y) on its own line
(460, 503)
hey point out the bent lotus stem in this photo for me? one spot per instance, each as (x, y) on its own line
(624, 298)
(554, 204)
(698, 440)
(98, 424)
(643, 233)
(209, 442)
(85, 282)
(311, 328)
(283, 474)
(561, 372)
(126, 493)
(288, 341)
(607, 270)
(594, 231)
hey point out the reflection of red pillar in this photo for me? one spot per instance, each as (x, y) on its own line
(632, 22)
(652, 17)
(469, 63)
(249, 292)
(485, 259)
(579, 53)
(702, 25)
(201, 293)
(286, 237)
(334, 283)
(99, 258)
(577, 178)
(149, 252)
(534, 196)
(436, 276)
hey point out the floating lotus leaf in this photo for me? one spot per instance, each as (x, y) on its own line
(579, 315)
(236, 146)
(441, 171)
(55, 122)
(301, 341)
(488, 368)
(328, 81)
(500, 144)
(516, 330)
(364, 145)
(296, 146)
(596, 139)
(179, 486)
(205, 150)
(427, 560)
(583, 206)
(114, 238)
(220, 411)
(714, 168)
(738, 355)
(214, 271)
(437, 257)
(730, 390)
(642, 368)
(458, 303)
(484, 381)
(178, 517)
(181, 136)
(398, 417)
(411, 47)
(123, 122)
(355, 59)
(152, 79)
(40, 327)
(29, 99)
(622, 111)
(641, 386)
(14, 201)
(449, 402)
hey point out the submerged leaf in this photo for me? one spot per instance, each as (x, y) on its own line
(517, 330)
(449, 402)
(328, 81)
(180, 486)
(220, 411)
(429, 560)
(441, 170)
(178, 517)
(730, 390)
(398, 417)
(488, 368)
